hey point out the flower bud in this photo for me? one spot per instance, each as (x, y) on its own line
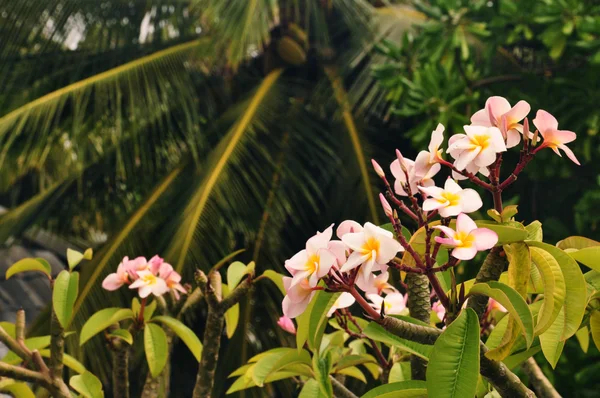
(378, 168)
(386, 206)
(287, 324)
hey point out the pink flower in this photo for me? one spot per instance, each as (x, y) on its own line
(553, 137)
(126, 273)
(149, 283)
(467, 240)
(439, 310)
(315, 261)
(393, 303)
(297, 298)
(347, 227)
(287, 324)
(376, 284)
(498, 113)
(398, 168)
(155, 263)
(340, 251)
(344, 300)
(451, 200)
(171, 278)
(372, 246)
(426, 163)
(494, 305)
(478, 146)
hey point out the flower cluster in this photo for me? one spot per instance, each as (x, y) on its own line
(361, 255)
(150, 277)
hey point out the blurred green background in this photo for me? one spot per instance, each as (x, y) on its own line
(192, 128)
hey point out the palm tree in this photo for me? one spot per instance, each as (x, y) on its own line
(187, 128)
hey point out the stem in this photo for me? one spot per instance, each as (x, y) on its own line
(210, 354)
(57, 347)
(340, 390)
(419, 306)
(538, 379)
(120, 370)
(142, 308)
(491, 269)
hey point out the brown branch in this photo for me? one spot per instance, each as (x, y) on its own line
(340, 390)
(538, 379)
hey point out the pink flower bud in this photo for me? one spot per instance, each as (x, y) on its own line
(287, 324)
(378, 168)
(386, 206)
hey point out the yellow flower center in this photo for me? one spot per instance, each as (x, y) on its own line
(370, 245)
(464, 239)
(312, 264)
(387, 306)
(149, 279)
(452, 198)
(482, 141)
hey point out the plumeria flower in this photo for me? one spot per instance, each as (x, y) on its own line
(315, 261)
(287, 324)
(553, 137)
(427, 162)
(154, 263)
(494, 305)
(148, 283)
(171, 278)
(340, 251)
(376, 284)
(127, 272)
(372, 246)
(478, 146)
(297, 298)
(393, 303)
(346, 227)
(344, 300)
(439, 310)
(467, 240)
(498, 108)
(451, 200)
(400, 175)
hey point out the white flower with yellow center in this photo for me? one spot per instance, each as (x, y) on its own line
(315, 261)
(149, 283)
(393, 303)
(451, 200)
(371, 246)
(478, 147)
(427, 162)
(467, 240)
(344, 300)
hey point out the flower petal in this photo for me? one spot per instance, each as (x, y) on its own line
(464, 223)
(470, 200)
(346, 227)
(570, 154)
(498, 106)
(319, 241)
(544, 121)
(518, 112)
(481, 118)
(484, 238)
(451, 186)
(464, 253)
(112, 282)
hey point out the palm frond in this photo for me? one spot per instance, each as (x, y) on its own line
(30, 134)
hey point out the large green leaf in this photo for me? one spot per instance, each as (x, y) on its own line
(68, 361)
(232, 315)
(577, 242)
(311, 389)
(322, 368)
(102, 320)
(595, 327)
(554, 288)
(156, 347)
(453, 367)
(184, 333)
(589, 256)
(16, 389)
(235, 273)
(64, 295)
(378, 333)
(88, 385)
(276, 278)
(33, 343)
(29, 264)
(401, 389)
(318, 317)
(512, 301)
(277, 361)
(576, 295)
(551, 340)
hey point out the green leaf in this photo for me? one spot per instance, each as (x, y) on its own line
(29, 264)
(512, 301)
(64, 295)
(148, 309)
(322, 367)
(518, 358)
(88, 385)
(506, 234)
(16, 389)
(576, 294)
(494, 215)
(554, 288)
(68, 361)
(509, 212)
(551, 340)
(235, 273)
(184, 333)
(311, 389)
(353, 360)
(576, 242)
(156, 347)
(378, 333)
(589, 256)
(401, 389)
(400, 372)
(122, 334)
(318, 317)
(534, 231)
(74, 257)
(276, 278)
(102, 320)
(33, 343)
(595, 327)
(583, 337)
(277, 361)
(453, 367)
(353, 371)
(232, 315)
(246, 381)
(9, 328)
